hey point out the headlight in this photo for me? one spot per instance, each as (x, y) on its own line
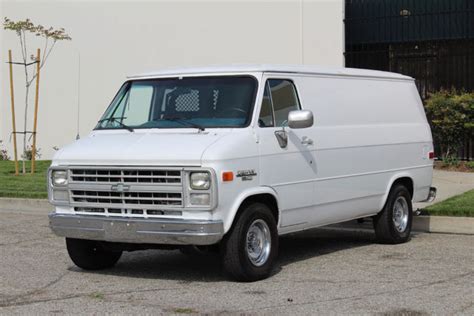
(199, 199)
(200, 180)
(59, 177)
(60, 195)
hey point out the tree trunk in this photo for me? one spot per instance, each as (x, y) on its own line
(25, 127)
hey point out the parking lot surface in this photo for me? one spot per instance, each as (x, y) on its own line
(323, 271)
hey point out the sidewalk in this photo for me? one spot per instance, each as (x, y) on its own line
(449, 184)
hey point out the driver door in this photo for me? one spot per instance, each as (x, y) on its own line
(290, 169)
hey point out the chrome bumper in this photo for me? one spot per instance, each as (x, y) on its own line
(431, 195)
(137, 230)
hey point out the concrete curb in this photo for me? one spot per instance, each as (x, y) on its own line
(428, 224)
(27, 205)
(444, 224)
(424, 224)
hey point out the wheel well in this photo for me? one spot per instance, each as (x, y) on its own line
(265, 198)
(407, 182)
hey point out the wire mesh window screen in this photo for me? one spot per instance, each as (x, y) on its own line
(188, 102)
(215, 96)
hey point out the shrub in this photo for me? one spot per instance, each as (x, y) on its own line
(3, 152)
(451, 115)
(28, 154)
(451, 161)
(470, 165)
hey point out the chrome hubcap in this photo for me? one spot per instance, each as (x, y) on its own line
(258, 242)
(400, 214)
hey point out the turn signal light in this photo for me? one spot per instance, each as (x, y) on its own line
(227, 176)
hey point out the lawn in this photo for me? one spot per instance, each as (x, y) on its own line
(460, 205)
(23, 186)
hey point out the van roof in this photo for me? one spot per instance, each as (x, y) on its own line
(300, 69)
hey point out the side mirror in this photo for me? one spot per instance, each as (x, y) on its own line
(300, 119)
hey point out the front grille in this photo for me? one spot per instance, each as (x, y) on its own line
(130, 192)
(139, 198)
(125, 212)
(126, 176)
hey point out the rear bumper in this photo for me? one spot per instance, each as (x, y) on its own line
(133, 230)
(431, 195)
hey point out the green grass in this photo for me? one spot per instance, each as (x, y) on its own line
(27, 185)
(97, 295)
(460, 205)
(184, 311)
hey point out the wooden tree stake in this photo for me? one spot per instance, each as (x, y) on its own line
(12, 94)
(35, 122)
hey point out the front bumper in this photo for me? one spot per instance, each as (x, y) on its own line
(137, 230)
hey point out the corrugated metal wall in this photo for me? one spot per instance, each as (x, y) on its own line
(430, 40)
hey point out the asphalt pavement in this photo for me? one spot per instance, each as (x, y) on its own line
(322, 271)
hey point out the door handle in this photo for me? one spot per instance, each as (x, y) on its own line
(306, 141)
(282, 138)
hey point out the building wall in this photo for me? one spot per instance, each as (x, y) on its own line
(431, 41)
(112, 39)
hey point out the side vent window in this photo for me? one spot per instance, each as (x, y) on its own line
(266, 112)
(279, 99)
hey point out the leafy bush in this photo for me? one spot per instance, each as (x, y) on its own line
(28, 154)
(3, 152)
(451, 115)
(451, 161)
(470, 164)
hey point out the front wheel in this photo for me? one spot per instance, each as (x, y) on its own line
(393, 224)
(91, 254)
(250, 247)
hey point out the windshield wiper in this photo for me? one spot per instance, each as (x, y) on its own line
(116, 120)
(182, 121)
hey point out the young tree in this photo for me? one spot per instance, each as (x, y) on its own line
(50, 36)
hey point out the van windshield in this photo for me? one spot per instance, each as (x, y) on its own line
(192, 102)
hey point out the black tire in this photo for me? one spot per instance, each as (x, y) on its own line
(90, 254)
(235, 257)
(385, 228)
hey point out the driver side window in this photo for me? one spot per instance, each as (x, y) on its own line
(134, 106)
(279, 99)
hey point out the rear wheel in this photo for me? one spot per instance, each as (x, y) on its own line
(393, 224)
(91, 254)
(250, 247)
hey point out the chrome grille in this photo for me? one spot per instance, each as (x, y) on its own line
(125, 212)
(126, 176)
(126, 191)
(140, 198)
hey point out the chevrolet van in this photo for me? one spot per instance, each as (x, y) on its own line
(230, 158)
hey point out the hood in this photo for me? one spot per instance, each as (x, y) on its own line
(142, 147)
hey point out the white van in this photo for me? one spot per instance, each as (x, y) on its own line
(229, 158)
